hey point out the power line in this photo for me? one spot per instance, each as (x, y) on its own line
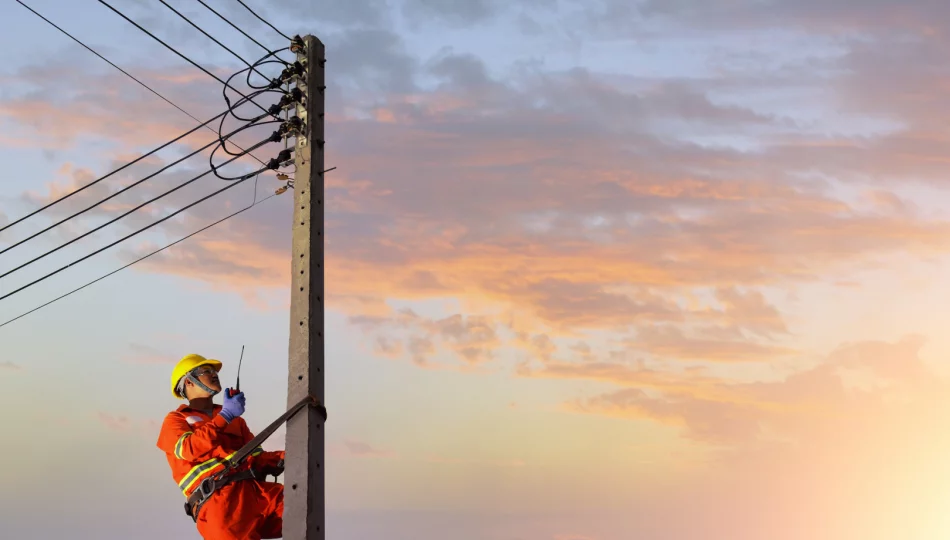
(101, 178)
(225, 19)
(90, 49)
(264, 21)
(276, 136)
(209, 36)
(129, 75)
(140, 259)
(169, 47)
(143, 229)
(123, 190)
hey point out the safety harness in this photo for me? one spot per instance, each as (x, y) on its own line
(210, 485)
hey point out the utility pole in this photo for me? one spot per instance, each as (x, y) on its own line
(304, 492)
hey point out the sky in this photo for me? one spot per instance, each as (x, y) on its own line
(595, 270)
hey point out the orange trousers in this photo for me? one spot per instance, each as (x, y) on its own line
(244, 510)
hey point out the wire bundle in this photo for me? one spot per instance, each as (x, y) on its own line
(288, 127)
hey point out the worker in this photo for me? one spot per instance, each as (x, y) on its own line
(197, 437)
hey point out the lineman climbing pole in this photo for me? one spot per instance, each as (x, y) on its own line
(304, 492)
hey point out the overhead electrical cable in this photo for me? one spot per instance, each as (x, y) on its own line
(146, 203)
(129, 75)
(212, 38)
(174, 50)
(101, 178)
(231, 185)
(225, 19)
(140, 259)
(123, 190)
(288, 38)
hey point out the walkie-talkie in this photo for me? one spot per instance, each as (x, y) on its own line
(237, 387)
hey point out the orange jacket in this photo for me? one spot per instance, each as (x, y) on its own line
(196, 445)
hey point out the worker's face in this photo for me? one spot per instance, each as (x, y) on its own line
(208, 376)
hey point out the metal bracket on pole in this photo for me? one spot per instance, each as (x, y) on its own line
(304, 493)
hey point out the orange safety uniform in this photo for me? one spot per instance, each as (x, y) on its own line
(195, 446)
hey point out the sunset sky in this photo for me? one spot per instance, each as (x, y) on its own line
(595, 270)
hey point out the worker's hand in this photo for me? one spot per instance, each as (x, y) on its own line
(233, 404)
(274, 470)
(261, 472)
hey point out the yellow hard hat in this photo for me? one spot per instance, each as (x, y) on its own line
(188, 363)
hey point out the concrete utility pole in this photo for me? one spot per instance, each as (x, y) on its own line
(304, 492)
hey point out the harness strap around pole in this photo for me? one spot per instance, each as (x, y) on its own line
(245, 450)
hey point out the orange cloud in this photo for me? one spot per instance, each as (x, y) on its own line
(472, 339)
(471, 194)
(362, 449)
(853, 382)
(670, 341)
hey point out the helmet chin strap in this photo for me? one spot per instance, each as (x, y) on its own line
(191, 377)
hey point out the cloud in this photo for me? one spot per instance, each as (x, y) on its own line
(362, 449)
(118, 110)
(10, 366)
(849, 383)
(577, 200)
(472, 339)
(362, 13)
(767, 441)
(670, 341)
(835, 15)
(540, 172)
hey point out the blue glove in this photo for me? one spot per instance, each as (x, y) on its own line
(233, 405)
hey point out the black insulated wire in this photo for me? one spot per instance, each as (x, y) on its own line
(271, 111)
(242, 101)
(123, 167)
(287, 99)
(111, 221)
(209, 36)
(285, 36)
(274, 86)
(169, 47)
(143, 229)
(140, 259)
(124, 72)
(275, 137)
(119, 192)
(271, 83)
(90, 49)
(225, 19)
(284, 103)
